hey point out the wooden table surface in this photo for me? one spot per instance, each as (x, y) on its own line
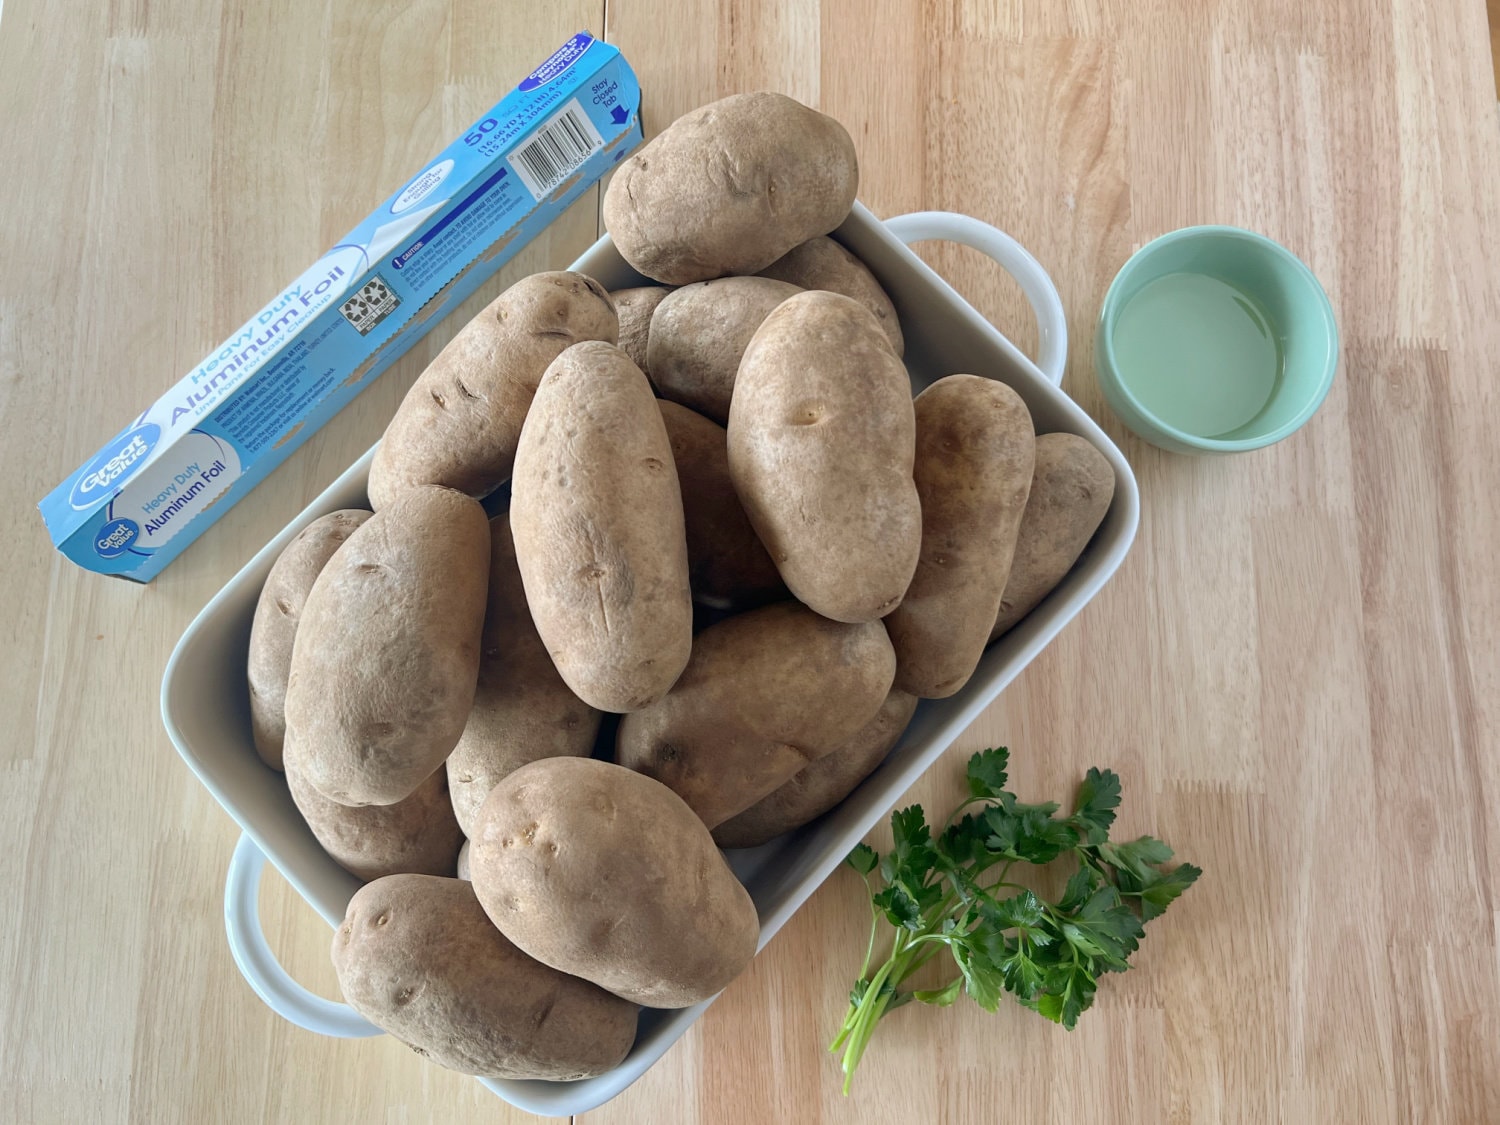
(1296, 671)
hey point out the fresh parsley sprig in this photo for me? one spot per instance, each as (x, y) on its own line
(953, 892)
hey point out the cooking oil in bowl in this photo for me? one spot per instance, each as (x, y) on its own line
(1198, 353)
(1215, 340)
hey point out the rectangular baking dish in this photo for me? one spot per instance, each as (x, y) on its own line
(206, 711)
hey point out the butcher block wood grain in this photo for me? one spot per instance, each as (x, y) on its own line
(1295, 672)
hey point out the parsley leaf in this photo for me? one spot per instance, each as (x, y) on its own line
(1080, 885)
(1022, 975)
(964, 842)
(1136, 857)
(1028, 832)
(1022, 912)
(1070, 992)
(912, 855)
(940, 997)
(987, 772)
(1094, 808)
(1107, 927)
(982, 980)
(862, 858)
(1155, 897)
(899, 907)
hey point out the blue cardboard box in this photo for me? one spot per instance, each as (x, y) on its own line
(182, 462)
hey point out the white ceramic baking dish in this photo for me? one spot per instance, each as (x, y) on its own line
(205, 704)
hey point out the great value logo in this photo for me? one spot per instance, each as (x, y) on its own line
(115, 538)
(116, 461)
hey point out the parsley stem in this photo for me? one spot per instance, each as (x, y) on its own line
(871, 1006)
(864, 970)
(960, 808)
(1007, 886)
(920, 938)
(925, 956)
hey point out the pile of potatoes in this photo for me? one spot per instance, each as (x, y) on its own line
(729, 524)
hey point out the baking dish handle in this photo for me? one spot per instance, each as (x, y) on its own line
(258, 965)
(1014, 259)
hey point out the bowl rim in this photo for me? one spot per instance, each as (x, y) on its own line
(1107, 367)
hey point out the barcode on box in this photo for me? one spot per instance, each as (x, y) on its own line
(560, 146)
(372, 304)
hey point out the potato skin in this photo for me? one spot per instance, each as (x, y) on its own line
(416, 955)
(463, 862)
(387, 653)
(821, 442)
(605, 874)
(522, 708)
(821, 784)
(822, 263)
(274, 626)
(597, 517)
(765, 693)
(1071, 490)
(728, 567)
(700, 332)
(418, 835)
(731, 187)
(635, 308)
(975, 453)
(459, 423)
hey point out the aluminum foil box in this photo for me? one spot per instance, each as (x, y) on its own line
(182, 462)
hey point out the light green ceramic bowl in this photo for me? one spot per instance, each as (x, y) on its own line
(1215, 340)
